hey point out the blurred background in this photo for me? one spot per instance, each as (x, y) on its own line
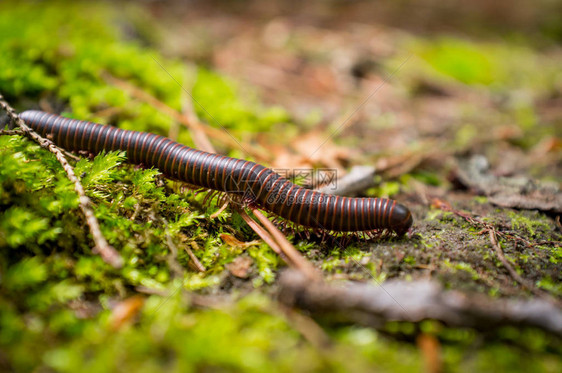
(385, 79)
(388, 77)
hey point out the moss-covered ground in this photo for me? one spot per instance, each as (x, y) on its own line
(63, 309)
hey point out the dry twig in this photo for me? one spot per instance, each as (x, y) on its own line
(431, 350)
(513, 273)
(107, 252)
(11, 132)
(308, 328)
(196, 131)
(172, 259)
(414, 302)
(263, 234)
(493, 233)
(288, 249)
(277, 241)
(189, 122)
(216, 214)
(197, 264)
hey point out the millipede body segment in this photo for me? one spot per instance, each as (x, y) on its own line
(256, 184)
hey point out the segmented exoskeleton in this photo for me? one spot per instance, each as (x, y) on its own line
(256, 184)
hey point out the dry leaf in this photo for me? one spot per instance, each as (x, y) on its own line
(125, 311)
(515, 192)
(440, 204)
(240, 266)
(234, 242)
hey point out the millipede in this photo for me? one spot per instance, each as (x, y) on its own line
(254, 184)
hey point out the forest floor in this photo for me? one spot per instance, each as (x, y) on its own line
(462, 124)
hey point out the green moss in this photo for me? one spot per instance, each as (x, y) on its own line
(507, 67)
(550, 285)
(529, 224)
(481, 199)
(497, 65)
(410, 260)
(427, 177)
(465, 135)
(467, 268)
(228, 109)
(387, 189)
(464, 61)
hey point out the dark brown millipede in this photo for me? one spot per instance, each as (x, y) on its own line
(255, 184)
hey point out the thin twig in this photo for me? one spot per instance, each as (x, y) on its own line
(196, 263)
(513, 273)
(172, 259)
(70, 155)
(20, 132)
(183, 119)
(11, 132)
(199, 136)
(264, 235)
(288, 249)
(215, 214)
(368, 305)
(101, 246)
(493, 233)
(431, 351)
(308, 328)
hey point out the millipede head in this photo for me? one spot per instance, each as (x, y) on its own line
(401, 219)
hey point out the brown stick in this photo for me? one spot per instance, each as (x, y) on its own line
(288, 249)
(11, 132)
(430, 349)
(264, 235)
(516, 276)
(212, 132)
(101, 247)
(278, 243)
(197, 134)
(215, 214)
(308, 328)
(172, 258)
(493, 233)
(198, 265)
(414, 302)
